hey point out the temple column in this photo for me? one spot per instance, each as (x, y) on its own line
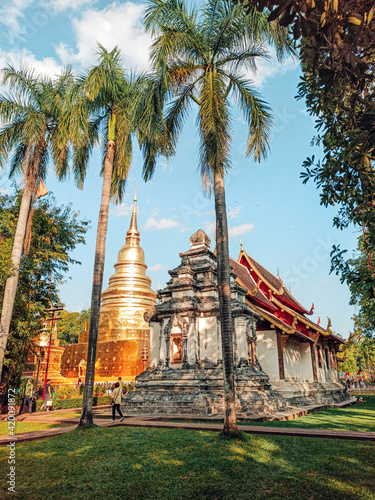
(313, 357)
(281, 342)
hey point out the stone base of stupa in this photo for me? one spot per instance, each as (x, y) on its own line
(311, 393)
(198, 390)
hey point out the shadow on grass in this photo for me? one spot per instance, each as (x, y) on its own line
(137, 463)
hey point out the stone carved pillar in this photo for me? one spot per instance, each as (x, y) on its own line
(184, 323)
(250, 338)
(167, 337)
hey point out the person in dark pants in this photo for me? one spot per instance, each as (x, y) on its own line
(116, 401)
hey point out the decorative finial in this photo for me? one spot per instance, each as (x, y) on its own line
(133, 234)
(278, 273)
(241, 244)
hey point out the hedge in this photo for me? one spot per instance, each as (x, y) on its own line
(63, 404)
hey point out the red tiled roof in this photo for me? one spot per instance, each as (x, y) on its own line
(247, 281)
(275, 282)
(280, 323)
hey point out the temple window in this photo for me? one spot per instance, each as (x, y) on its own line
(176, 348)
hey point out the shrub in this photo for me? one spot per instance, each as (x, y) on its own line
(63, 404)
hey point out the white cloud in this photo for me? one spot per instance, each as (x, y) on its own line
(242, 229)
(158, 267)
(233, 213)
(163, 223)
(270, 68)
(210, 227)
(46, 66)
(68, 4)
(116, 24)
(12, 14)
(122, 210)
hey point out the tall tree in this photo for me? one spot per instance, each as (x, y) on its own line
(30, 113)
(198, 58)
(101, 101)
(56, 232)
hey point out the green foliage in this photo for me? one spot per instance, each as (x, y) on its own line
(56, 232)
(358, 274)
(199, 60)
(360, 352)
(62, 404)
(70, 325)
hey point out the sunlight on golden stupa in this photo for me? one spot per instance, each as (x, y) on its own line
(123, 335)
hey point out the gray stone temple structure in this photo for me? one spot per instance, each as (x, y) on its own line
(185, 372)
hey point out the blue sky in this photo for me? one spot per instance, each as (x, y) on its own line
(279, 220)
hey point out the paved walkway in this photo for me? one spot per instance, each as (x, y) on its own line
(103, 419)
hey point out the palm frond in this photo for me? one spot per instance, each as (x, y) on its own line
(257, 114)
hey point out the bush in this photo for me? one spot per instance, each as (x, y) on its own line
(63, 404)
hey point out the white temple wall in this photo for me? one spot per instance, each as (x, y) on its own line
(154, 343)
(208, 338)
(297, 361)
(267, 354)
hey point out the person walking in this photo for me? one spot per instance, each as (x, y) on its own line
(47, 396)
(116, 402)
(29, 395)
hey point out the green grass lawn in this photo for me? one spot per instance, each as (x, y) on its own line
(73, 414)
(359, 417)
(27, 427)
(135, 463)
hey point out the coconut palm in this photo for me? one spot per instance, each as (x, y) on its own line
(104, 100)
(30, 114)
(199, 57)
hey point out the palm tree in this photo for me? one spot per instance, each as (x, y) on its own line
(31, 116)
(198, 57)
(101, 101)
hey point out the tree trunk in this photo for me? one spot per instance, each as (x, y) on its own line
(223, 276)
(12, 282)
(86, 416)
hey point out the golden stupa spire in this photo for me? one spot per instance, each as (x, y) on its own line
(129, 293)
(132, 236)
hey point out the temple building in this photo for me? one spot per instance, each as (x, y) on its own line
(123, 336)
(282, 359)
(299, 356)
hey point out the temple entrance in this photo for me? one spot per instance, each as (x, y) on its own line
(176, 348)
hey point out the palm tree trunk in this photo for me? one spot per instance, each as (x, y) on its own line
(223, 276)
(12, 282)
(86, 416)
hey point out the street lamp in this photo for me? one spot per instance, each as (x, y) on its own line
(40, 358)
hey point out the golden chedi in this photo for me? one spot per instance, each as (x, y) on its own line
(123, 336)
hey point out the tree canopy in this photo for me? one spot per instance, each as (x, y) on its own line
(57, 230)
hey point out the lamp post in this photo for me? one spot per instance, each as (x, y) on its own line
(52, 321)
(40, 358)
